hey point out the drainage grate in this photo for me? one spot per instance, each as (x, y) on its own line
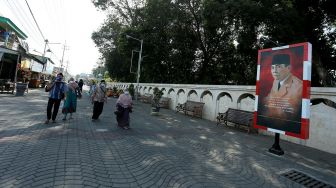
(305, 180)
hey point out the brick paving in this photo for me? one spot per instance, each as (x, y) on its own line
(170, 150)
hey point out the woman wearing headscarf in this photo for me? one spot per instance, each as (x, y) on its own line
(98, 98)
(70, 103)
(124, 107)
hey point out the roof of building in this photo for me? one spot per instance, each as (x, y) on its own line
(41, 59)
(8, 24)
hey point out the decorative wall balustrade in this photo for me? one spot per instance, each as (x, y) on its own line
(218, 98)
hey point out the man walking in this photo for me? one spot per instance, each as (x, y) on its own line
(57, 92)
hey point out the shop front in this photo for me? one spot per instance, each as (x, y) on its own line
(31, 71)
(12, 47)
(8, 65)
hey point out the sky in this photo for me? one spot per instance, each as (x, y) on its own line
(67, 23)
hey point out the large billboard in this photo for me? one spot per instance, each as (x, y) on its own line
(36, 66)
(283, 90)
(49, 67)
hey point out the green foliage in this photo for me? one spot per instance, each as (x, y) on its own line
(131, 90)
(108, 80)
(115, 89)
(157, 96)
(120, 91)
(99, 70)
(212, 41)
(93, 82)
(106, 75)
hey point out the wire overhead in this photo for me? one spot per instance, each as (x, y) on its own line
(38, 27)
(23, 19)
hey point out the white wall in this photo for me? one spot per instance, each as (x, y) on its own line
(218, 98)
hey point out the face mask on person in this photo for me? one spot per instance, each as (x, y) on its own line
(102, 85)
(59, 78)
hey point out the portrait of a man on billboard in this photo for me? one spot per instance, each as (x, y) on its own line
(281, 90)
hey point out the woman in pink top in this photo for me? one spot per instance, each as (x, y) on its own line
(124, 107)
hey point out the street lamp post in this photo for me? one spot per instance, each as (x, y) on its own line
(46, 50)
(139, 64)
(132, 61)
(45, 47)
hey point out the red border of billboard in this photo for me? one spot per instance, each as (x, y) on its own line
(304, 132)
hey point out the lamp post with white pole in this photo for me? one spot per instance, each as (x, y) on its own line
(45, 51)
(45, 47)
(139, 64)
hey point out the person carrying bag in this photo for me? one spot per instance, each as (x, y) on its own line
(57, 92)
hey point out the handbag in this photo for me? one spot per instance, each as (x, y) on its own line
(117, 112)
(48, 87)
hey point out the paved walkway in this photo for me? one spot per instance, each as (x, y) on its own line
(170, 150)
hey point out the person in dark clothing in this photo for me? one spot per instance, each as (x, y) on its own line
(80, 85)
(98, 98)
(57, 92)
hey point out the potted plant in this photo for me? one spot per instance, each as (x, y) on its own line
(157, 94)
(131, 90)
(119, 92)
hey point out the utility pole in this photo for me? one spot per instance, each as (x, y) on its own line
(67, 65)
(65, 47)
(46, 50)
(45, 47)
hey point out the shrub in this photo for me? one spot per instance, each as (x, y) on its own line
(157, 96)
(131, 90)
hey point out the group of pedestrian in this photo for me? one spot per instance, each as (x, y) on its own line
(59, 90)
(123, 105)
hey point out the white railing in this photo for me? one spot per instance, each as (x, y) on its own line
(218, 98)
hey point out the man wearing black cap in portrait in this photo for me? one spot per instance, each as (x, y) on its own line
(285, 98)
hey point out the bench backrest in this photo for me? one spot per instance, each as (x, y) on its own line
(164, 102)
(164, 99)
(147, 98)
(147, 95)
(189, 105)
(242, 117)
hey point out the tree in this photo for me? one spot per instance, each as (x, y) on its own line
(212, 41)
